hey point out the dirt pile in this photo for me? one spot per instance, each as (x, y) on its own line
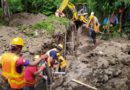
(107, 67)
(32, 44)
(26, 19)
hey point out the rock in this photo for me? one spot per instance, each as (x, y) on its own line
(109, 72)
(117, 73)
(125, 61)
(105, 78)
(102, 63)
(112, 61)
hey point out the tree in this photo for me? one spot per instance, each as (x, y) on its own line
(5, 7)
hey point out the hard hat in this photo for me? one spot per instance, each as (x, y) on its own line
(92, 13)
(58, 54)
(61, 46)
(17, 41)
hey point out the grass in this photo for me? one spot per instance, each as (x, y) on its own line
(48, 24)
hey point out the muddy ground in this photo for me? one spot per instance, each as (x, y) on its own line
(106, 67)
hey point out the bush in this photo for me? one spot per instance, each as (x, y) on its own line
(46, 7)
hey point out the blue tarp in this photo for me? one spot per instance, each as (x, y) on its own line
(105, 21)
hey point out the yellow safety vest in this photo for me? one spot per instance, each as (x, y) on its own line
(15, 79)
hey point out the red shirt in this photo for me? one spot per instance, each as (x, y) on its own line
(29, 75)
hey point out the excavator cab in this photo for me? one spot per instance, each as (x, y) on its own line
(82, 9)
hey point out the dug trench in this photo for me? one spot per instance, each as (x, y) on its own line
(106, 67)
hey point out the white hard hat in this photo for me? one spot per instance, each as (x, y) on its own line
(92, 13)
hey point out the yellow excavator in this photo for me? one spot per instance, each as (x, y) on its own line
(76, 16)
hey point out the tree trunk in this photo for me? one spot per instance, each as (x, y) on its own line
(6, 13)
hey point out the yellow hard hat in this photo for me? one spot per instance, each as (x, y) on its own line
(61, 46)
(17, 41)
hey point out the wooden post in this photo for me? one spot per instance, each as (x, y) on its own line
(86, 85)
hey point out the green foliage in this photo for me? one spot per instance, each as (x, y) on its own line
(46, 7)
(15, 6)
(44, 25)
(57, 3)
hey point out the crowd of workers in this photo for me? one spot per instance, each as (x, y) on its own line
(19, 73)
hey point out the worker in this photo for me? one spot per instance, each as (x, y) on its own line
(93, 26)
(30, 74)
(13, 64)
(51, 57)
(52, 54)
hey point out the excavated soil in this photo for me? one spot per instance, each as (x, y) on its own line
(106, 67)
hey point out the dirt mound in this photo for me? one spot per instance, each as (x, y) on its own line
(32, 44)
(105, 67)
(25, 19)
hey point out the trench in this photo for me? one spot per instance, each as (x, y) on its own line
(71, 42)
(68, 40)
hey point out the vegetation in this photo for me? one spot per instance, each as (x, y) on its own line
(48, 24)
(48, 7)
(102, 8)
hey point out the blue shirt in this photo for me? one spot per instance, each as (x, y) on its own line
(53, 54)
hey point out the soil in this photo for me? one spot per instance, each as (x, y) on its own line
(106, 67)
(26, 19)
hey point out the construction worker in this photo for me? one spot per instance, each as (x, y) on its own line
(51, 57)
(52, 54)
(30, 74)
(93, 26)
(13, 64)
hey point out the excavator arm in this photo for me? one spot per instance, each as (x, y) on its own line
(74, 11)
(83, 19)
(71, 6)
(63, 5)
